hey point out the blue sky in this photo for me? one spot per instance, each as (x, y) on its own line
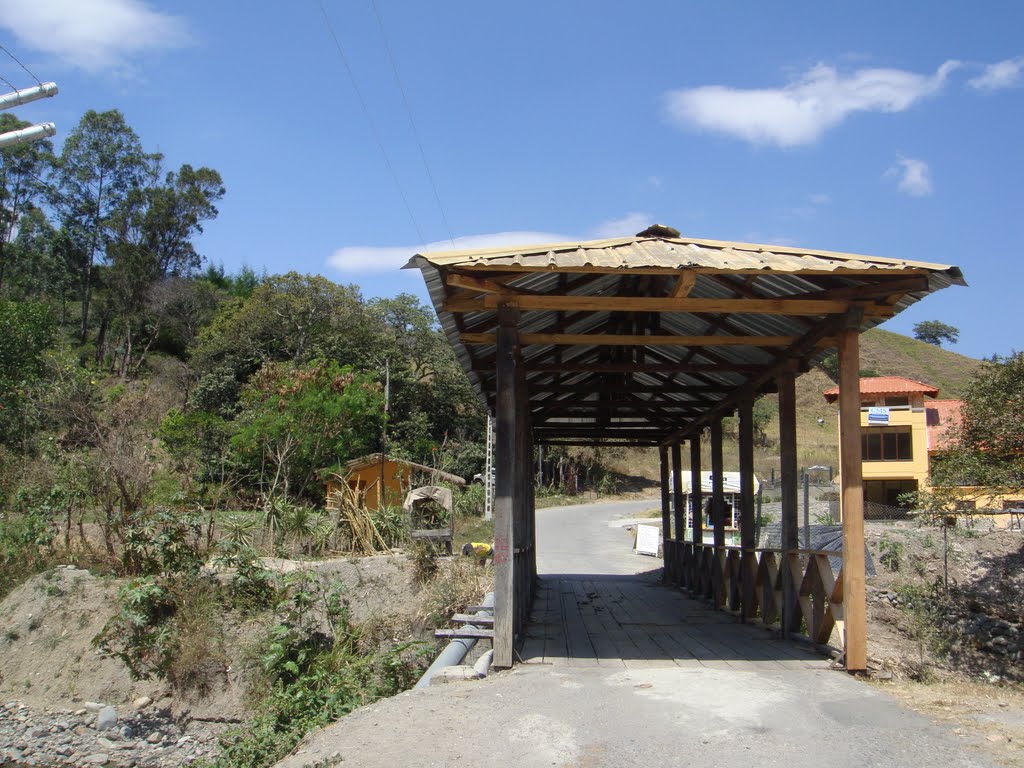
(891, 129)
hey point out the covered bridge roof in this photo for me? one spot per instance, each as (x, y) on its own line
(643, 340)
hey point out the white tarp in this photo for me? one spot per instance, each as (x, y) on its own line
(730, 482)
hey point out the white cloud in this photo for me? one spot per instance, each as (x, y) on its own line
(914, 176)
(800, 112)
(93, 35)
(819, 198)
(370, 258)
(624, 226)
(1003, 74)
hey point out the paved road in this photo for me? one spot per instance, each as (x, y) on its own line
(589, 539)
(660, 714)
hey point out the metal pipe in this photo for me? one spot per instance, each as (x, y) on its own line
(25, 95)
(456, 650)
(32, 133)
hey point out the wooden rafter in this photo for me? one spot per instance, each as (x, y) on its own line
(796, 307)
(571, 339)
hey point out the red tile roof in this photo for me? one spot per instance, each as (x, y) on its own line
(942, 417)
(887, 385)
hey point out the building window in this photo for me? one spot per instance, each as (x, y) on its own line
(887, 444)
(892, 401)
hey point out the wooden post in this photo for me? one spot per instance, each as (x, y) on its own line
(717, 485)
(696, 495)
(852, 495)
(788, 476)
(677, 493)
(666, 510)
(505, 488)
(747, 541)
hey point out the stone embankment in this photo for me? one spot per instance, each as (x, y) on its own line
(97, 734)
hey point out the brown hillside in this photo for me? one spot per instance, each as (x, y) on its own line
(891, 354)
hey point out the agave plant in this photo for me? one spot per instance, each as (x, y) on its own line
(238, 528)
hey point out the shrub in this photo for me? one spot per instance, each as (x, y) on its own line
(890, 553)
(424, 561)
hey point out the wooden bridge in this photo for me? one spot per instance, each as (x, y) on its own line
(651, 341)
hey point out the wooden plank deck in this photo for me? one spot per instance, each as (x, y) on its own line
(631, 622)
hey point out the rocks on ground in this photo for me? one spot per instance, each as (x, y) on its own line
(100, 735)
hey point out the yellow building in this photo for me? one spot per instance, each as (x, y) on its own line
(366, 477)
(902, 424)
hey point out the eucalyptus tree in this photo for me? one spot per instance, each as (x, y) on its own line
(101, 164)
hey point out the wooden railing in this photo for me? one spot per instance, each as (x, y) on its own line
(750, 583)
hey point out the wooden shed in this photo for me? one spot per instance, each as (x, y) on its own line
(368, 474)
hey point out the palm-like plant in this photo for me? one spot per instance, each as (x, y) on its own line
(238, 528)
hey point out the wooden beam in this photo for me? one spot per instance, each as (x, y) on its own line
(684, 284)
(608, 340)
(747, 539)
(506, 491)
(852, 509)
(549, 303)
(788, 476)
(666, 509)
(480, 284)
(668, 368)
(696, 487)
(718, 485)
(598, 442)
(677, 492)
(602, 386)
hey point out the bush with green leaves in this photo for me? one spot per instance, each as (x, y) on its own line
(890, 553)
(315, 668)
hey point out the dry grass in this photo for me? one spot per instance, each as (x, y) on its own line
(459, 583)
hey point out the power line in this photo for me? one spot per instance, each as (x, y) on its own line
(7, 82)
(373, 126)
(16, 61)
(412, 123)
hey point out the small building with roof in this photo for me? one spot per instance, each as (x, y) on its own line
(368, 475)
(902, 423)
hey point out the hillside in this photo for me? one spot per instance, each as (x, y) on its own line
(891, 354)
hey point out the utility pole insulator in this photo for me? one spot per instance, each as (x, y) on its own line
(25, 95)
(32, 133)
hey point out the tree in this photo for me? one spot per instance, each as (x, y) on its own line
(26, 330)
(287, 318)
(296, 421)
(22, 167)
(935, 332)
(987, 448)
(102, 162)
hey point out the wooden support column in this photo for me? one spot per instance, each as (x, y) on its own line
(696, 497)
(666, 510)
(747, 541)
(718, 509)
(790, 488)
(696, 517)
(506, 488)
(852, 495)
(717, 485)
(677, 493)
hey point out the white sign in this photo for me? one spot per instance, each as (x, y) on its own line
(648, 538)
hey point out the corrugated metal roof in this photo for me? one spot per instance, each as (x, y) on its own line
(648, 267)
(633, 253)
